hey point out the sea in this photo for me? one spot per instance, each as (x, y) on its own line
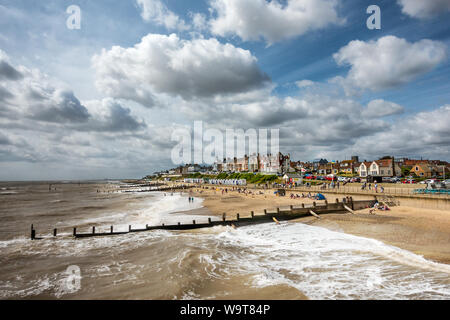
(269, 261)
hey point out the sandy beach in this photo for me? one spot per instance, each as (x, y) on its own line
(425, 232)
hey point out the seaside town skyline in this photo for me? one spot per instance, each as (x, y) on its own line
(386, 166)
(100, 96)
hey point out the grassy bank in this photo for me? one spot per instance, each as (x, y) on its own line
(250, 177)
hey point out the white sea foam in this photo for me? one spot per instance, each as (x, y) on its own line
(152, 210)
(330, 265)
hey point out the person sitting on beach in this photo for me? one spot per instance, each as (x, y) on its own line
(374, 208)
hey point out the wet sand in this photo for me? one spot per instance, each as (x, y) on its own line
(233, 202)
(425, 232)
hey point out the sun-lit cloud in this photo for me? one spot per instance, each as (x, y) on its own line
(169, 65)
(157, 12)
(272, 20)
(424, 9)
(388, 62)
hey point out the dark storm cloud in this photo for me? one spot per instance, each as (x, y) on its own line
(67, 109)
(4, 96)
(116, 118)
(8, 72)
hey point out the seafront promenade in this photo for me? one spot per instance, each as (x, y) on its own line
(394, 190)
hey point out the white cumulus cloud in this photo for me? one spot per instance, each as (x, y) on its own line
(380, 108)
(271, 20)
(157, 12)
(389, 61)
(168, 65)
(424, 8)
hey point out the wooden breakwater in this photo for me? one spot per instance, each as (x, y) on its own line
(345, 206)
(163, 189)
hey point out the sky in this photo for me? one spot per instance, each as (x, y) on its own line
(103, 101)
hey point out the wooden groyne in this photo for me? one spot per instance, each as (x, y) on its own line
(163, 189)
(344, 206)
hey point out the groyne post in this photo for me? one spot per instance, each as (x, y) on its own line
(112, 229)
(253, 214)
(55, 232)
(93, 230)
(238, 217)
(74, 232)
(265, 212)
(33, 233)
(129, 228)
(193, 222)
(224, 217)
(209, 220)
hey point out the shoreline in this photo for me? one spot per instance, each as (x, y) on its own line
(425, 232)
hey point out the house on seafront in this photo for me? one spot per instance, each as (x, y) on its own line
(427, 170)
(267, 164)
(380, 168)
(364, 169)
